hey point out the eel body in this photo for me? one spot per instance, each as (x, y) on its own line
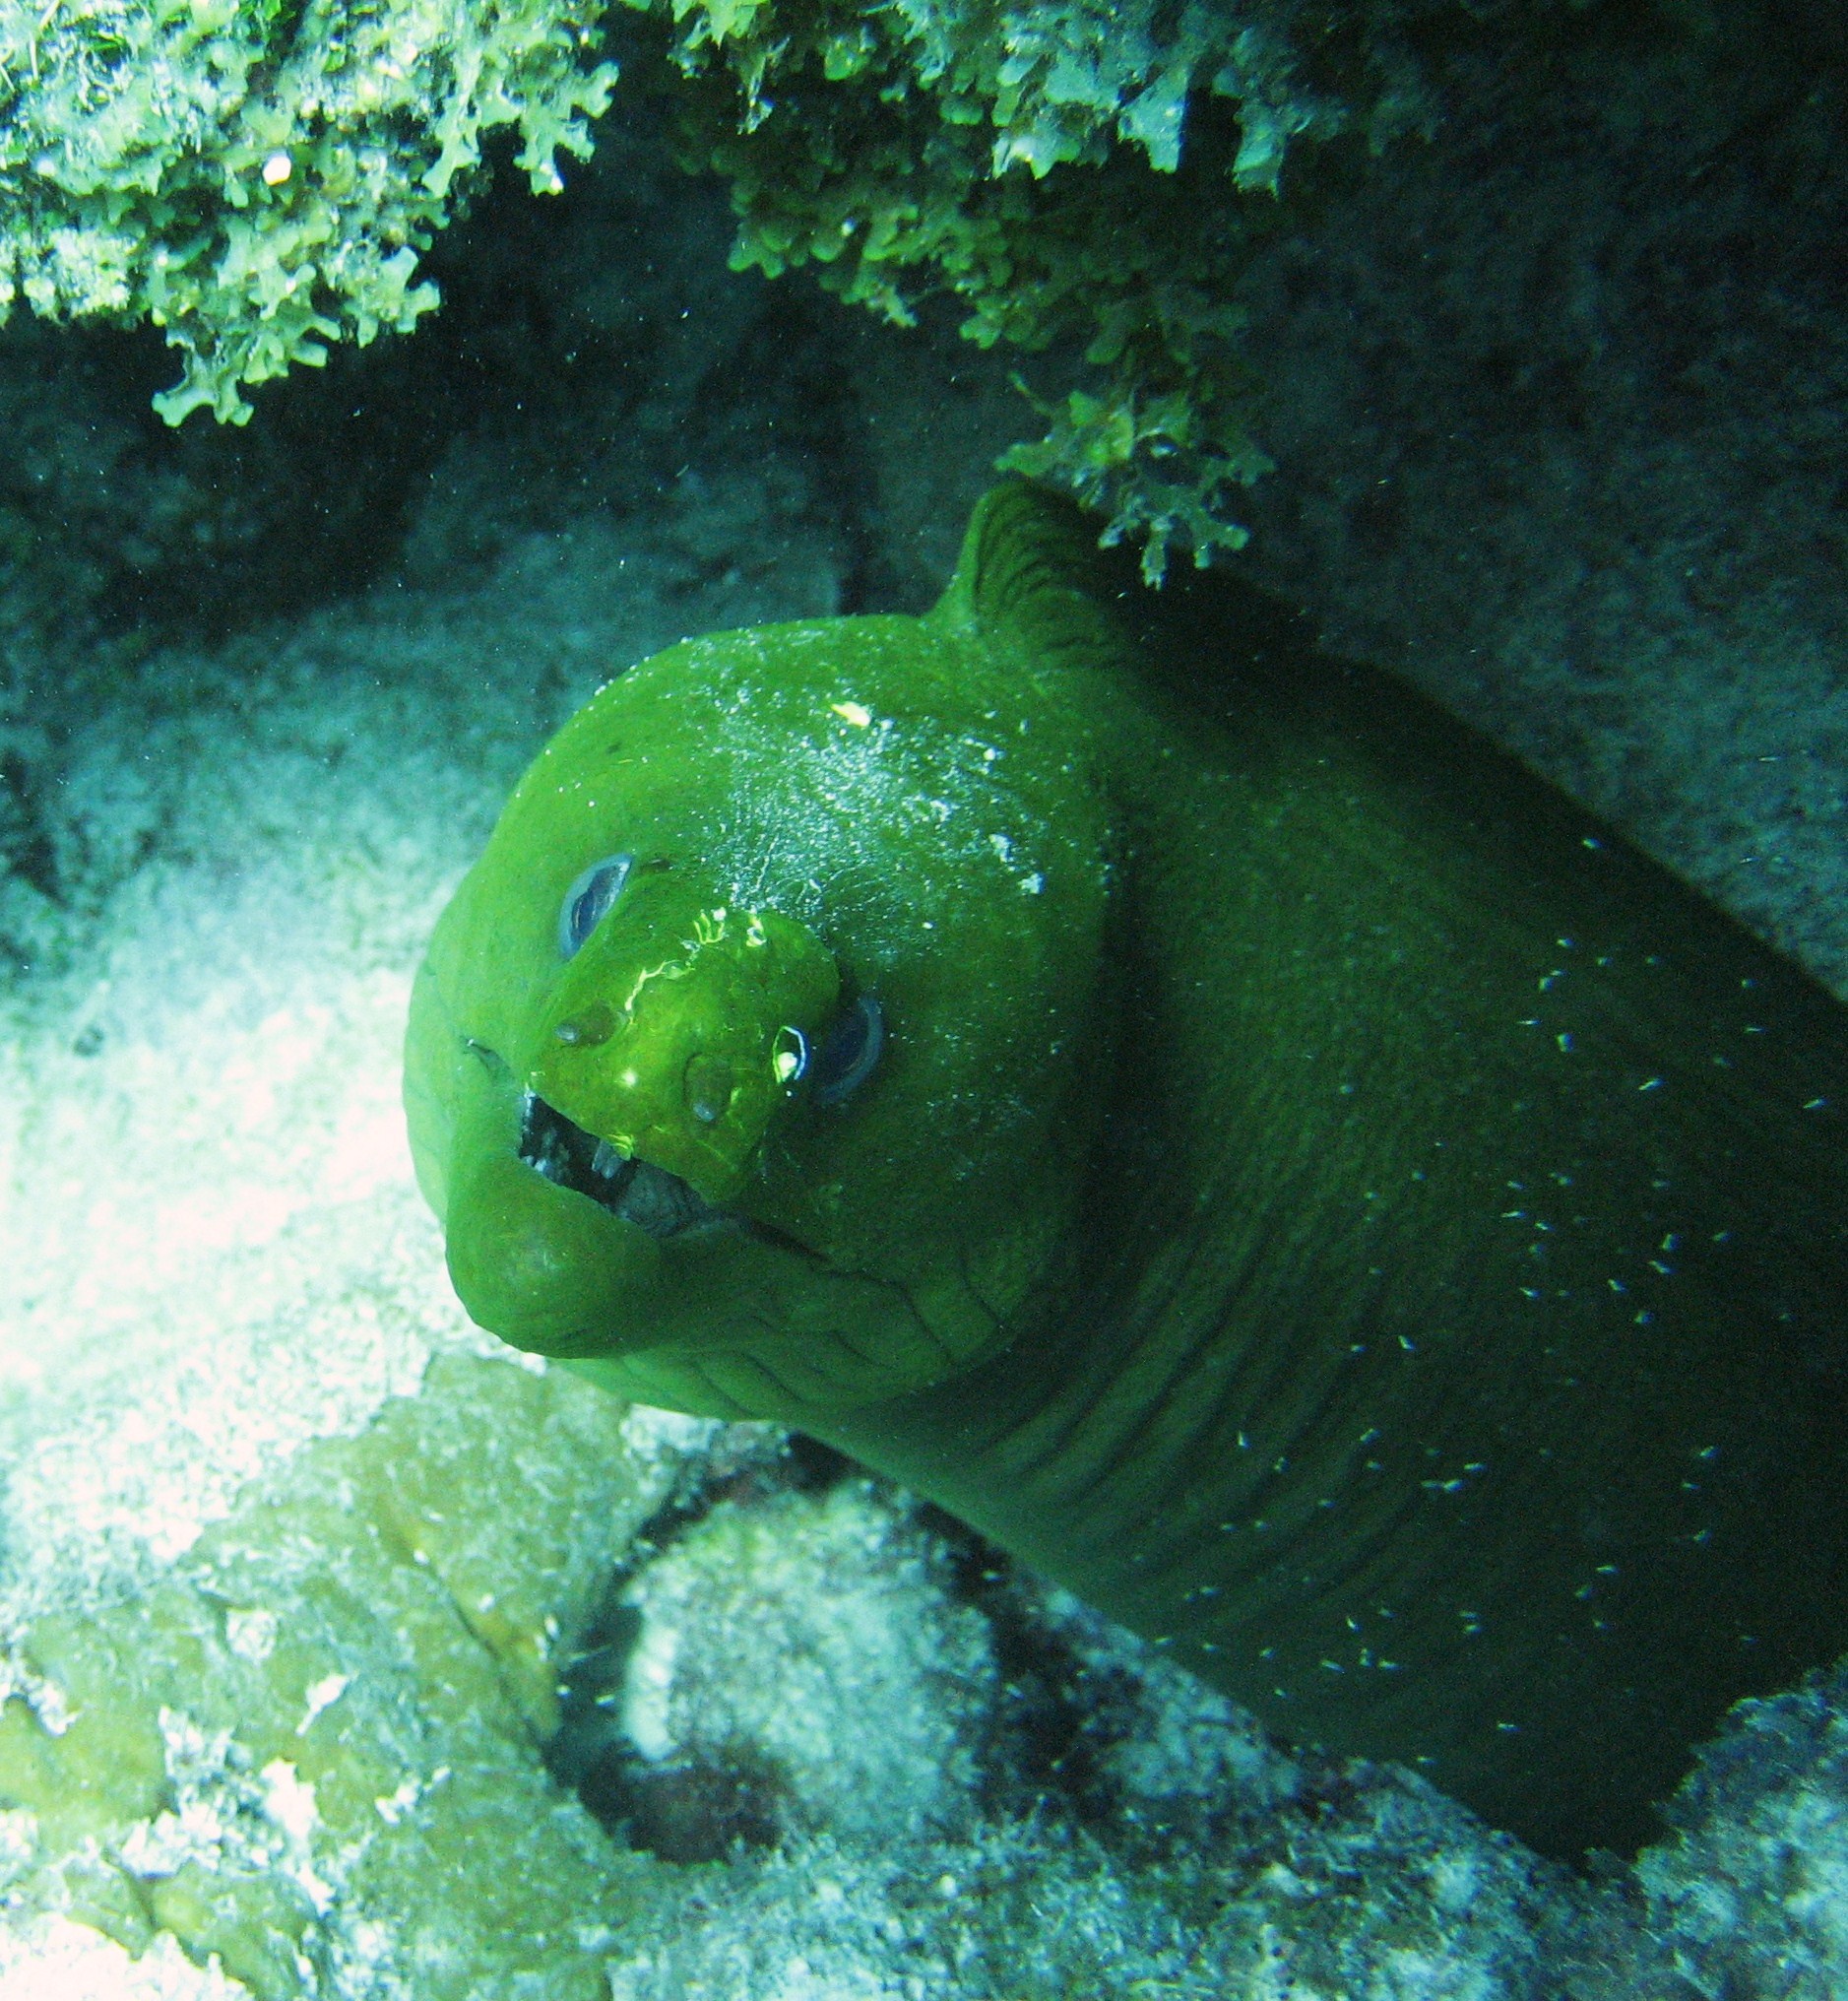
(1207, 1120)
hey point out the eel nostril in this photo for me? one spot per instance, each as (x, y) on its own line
(708, 1086)
(595, 1027)
(490, 1060)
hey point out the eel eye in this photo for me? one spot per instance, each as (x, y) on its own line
(587, 901)
(848, 1053)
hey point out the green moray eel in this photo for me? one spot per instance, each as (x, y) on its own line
(1207, 1120)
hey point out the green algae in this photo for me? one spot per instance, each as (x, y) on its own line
(313, 1749)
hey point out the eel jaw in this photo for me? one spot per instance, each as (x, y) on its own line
(637, 1191)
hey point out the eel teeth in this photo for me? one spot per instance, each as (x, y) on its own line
(637, 1191)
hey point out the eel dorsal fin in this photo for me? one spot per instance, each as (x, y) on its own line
(1031, 577)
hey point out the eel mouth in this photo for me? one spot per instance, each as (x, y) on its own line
(637, 1191)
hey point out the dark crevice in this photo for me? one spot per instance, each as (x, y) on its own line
(682, 1810)
(26, 848)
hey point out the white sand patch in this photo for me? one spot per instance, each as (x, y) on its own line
(55, 1960)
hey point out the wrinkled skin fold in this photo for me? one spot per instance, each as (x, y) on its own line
(1205, 1119)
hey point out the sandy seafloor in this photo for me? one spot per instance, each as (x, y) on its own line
(293, 1559)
